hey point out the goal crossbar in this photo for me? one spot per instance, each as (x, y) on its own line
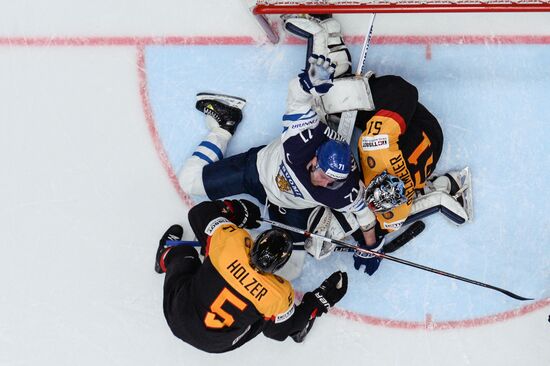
(460, 6)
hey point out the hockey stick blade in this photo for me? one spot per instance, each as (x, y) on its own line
(395, 259)
(406, 236)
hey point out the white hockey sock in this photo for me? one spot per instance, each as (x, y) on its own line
(210, 150)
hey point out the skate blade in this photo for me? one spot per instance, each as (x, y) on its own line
(230, 100)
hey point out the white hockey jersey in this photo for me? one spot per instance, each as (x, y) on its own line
(282, 164)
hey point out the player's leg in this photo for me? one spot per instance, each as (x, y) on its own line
(222, 115)
(234, 175)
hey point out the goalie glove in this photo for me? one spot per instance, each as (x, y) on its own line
(370, 261)
(328, 294)
(317, 78)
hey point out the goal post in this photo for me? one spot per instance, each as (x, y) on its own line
(262, 8)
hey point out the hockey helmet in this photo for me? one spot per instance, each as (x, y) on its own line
(271, 250)
(385, 192)
(334, 159)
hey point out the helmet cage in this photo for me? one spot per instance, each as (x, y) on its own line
(385, 192)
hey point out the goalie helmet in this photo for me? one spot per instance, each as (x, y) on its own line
(334, 159)
(271, 250)
(385, 192)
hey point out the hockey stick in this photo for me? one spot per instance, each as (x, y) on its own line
(347, 119)
(410, 233)
(394, 259)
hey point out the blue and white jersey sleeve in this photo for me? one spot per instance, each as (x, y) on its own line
(299, 113)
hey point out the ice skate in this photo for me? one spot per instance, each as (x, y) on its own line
(175, 232)
(226, 110)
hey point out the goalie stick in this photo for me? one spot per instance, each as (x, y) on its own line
(394, 259)
(347, 119)
(407, 235)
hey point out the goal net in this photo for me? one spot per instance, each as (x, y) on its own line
(262, 8)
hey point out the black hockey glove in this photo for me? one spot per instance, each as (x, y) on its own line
(329, 293)
(243, 213)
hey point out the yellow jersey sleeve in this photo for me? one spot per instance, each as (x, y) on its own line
(228, 250)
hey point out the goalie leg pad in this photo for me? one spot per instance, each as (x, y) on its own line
(330, 224)
(324, 38)
(309, 28)
(293, 268)
(338, 51)
(438, 201)
(319, 223)
(458, 184)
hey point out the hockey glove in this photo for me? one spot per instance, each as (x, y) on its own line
(243, 213)
(370, 261)
(329, 293)
(317, 78)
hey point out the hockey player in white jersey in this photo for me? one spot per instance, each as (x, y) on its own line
(306, 167)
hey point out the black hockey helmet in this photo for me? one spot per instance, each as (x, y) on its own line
(271, 250)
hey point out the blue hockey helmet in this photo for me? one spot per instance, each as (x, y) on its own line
(385, 192)
(334, 159)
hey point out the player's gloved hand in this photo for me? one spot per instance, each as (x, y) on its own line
(317, 78)
(329, 293)
(243, 213)
(370, 261)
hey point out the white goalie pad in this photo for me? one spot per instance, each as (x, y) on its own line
(438, 201)
(465, 183)
(323, 222)
(437, 198)
(293, 268)
(348, 94)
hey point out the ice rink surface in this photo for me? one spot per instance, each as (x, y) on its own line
(98, 116)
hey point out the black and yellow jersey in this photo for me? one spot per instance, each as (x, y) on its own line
(228, 251)
(401, 137)
(226, 302)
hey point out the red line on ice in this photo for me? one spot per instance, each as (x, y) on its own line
(146, 106)
(246, 40)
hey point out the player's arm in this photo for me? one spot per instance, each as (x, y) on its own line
(315, 80)
(314, 304)
(205, 217)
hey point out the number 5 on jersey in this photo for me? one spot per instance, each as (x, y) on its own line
(217, 317)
